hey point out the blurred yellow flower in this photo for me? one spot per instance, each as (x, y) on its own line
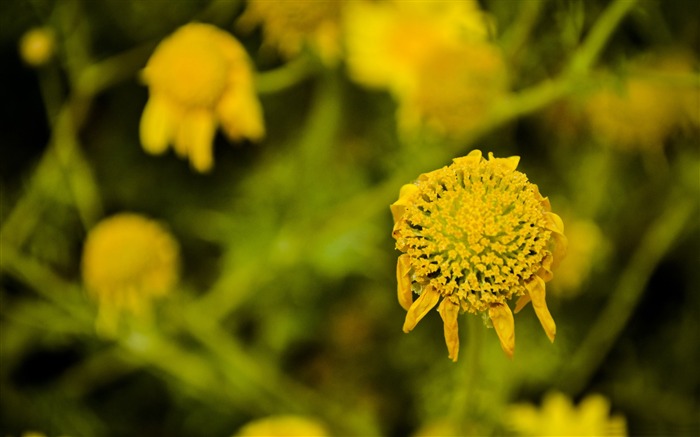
(128, 260)
(586, 245)
(198, 77)
(640, 110)
(454, 90)
(475, 233)
(388, 42)
(290, 25)
(37, 46)
(433, 56)
(283, 426)
(559, 417)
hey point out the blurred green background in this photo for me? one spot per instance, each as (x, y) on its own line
(287, 299)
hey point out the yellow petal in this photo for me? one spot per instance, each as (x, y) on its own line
(157, 125)
(240, 113)
(404, 282)
(554, 223)
(420, 307)
(509, 164)
(504, 324)
(536, 289)
(593, 408)
(545, 272)
(398, 207)
(522, 301)
(474, 157)
(448, 312)
(196, 135)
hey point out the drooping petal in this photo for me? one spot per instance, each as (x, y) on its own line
(398, 207)
(420, 307)
(504, 324)
(536, 289)
(545, 272)
(240, 112)
(404, 282)
(157, 125)
(522, 301)
(448, 312)
(554, 223)
(546, 203)
(196, 135)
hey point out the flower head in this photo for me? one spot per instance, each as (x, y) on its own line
(388, 42)
(128, 260)
(198, 77)
(475, 234)
(641, 110)
(433, 56)
(283, 425)
(37, 46)
(558, 416)
(454, 89)
(290, 25)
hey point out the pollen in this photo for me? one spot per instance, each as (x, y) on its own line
(476, 234)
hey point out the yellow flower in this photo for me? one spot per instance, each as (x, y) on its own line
(642, 109)
(290, 25)
(198, 77)
(37, 46)
(454, 89)
(283, 425)
(559, 417)
(475, 234)
(128, 260)
(388, 42)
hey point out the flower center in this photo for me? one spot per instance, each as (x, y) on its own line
(190, 70)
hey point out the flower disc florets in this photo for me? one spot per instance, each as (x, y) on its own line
(475, 233)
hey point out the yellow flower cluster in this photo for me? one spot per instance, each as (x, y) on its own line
(559, 417)
(643, 108)
(199, 77)
(433, 56)
(475, 234)
(128, 260)
(289, 26)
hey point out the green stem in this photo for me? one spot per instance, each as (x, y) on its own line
(287, 76)
(464, 394)
(270, 387)
(312, 159)
(99, 76)
(604, 26)
(519, 33)
(625, 297)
